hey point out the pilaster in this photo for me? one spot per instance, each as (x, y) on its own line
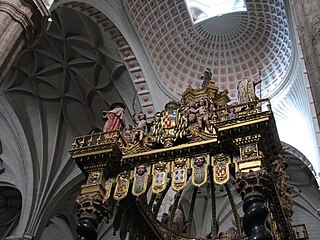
(21, 22)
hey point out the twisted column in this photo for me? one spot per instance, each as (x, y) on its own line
(86, 229)
(91, 207)
(254, 220)
(253, 189)
(253, 181)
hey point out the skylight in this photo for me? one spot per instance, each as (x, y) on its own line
(201, 10)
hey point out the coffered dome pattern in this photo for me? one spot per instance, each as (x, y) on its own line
(233, 45)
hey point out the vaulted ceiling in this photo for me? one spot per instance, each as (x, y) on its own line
(232, 45)
(142, 53)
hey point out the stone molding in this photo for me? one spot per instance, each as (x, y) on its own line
(22, 22)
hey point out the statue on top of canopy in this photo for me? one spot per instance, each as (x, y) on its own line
(114, 118)
(206, 77)
(246, 90)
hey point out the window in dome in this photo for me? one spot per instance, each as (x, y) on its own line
(201, 10)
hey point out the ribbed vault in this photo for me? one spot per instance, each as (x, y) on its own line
(57, 89)
(77, 66)
(60, 84)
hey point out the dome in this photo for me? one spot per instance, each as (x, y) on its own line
(233, 46)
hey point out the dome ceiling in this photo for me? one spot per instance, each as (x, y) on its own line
(233, 45)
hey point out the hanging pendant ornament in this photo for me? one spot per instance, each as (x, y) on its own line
(122, 185)
(140, 181)
(221, 172)
(179, 173)
(199, 165)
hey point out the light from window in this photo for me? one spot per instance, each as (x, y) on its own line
(201, 10)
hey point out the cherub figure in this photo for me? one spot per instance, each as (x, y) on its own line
(192, 115)
(202, 113)
(127, 132)
(141, 125)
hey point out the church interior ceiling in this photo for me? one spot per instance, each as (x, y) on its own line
(84, 63)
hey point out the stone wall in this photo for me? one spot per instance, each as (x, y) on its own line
(307, 16)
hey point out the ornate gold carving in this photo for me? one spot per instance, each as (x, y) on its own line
(200, 105)
(160, 174)
(94, 181)
(250, 157)
(96, 143)
(94, 177)
(199, 165)
(169, 126)
(221, 173)
(140, 180)
(199, 131)
(179, 173)
(91, 206)
(286, 193)
(247, 139)
(122, 185)
(253, 183)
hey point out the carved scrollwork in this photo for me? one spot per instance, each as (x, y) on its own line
(199, 136)
(91, 206)
(253, 183)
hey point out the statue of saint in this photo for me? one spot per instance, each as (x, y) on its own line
(246, 90)
(206, 77)
(114, 118)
